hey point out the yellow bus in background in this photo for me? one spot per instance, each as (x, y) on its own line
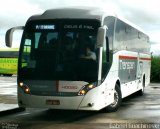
(8, 61)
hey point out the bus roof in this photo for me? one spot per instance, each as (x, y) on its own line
(80, 13)
(73, 13)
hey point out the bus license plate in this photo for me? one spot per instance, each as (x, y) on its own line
(52, 102)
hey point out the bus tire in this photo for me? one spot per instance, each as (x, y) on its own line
(117, 100)
(7, 75)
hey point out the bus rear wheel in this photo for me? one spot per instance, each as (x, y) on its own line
(117, 100)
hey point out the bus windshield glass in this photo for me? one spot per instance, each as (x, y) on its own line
(59, 50)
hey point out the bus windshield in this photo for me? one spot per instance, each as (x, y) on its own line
(59, 50)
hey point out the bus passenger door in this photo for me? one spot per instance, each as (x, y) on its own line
(139, 69)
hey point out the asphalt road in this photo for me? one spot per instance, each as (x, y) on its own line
(135, 112)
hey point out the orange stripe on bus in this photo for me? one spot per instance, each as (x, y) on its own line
(145, 58)
(57, 86)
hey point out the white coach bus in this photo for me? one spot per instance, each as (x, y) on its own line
(80, 59)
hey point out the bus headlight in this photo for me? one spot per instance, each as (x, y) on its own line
(27, 90)
(85, 89)
(24, 87)
(21, 84)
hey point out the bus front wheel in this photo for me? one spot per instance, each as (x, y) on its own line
(117, 100)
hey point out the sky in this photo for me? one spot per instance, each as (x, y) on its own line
(143, 13)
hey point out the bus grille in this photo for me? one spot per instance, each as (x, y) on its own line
(54, 93)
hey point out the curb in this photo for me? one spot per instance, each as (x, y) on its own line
(11, 111)
(154, 84)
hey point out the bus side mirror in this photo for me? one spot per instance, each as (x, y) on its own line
(101, 36)
(9, 35)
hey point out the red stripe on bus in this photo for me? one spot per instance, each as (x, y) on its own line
(57, 85)
(133, 58)
(145, 58)
(128, 57)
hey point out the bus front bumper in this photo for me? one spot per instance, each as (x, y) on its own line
(56, 102)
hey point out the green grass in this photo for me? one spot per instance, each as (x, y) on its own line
(155, 69)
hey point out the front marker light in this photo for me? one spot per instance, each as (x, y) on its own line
(82, 92)
(85, 89)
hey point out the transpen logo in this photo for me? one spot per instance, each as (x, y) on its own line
(126, 65)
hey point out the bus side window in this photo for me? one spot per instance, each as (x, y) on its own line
(105, 58)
